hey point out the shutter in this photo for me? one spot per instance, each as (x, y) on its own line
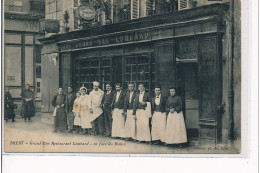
(182, 4)
(149, 7)
(134, 9)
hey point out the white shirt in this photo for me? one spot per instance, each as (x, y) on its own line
(108, 92)
(157, 100)
(131, 95)
(141, 96)
(117, 95)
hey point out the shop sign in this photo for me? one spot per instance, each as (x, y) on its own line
(49, 26)
(109, 40)
(87, 12)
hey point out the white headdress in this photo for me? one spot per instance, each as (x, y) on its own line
(95, 83)
(83, 88)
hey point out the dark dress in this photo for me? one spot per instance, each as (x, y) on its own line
(60, 120)
(9, 106)
(28, 109)
(70, 101)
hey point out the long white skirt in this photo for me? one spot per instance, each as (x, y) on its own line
(158, 126)
(175, 129)
(77, 119)
(118, 123)
(130, 125)
(85, 116)
(142, 126)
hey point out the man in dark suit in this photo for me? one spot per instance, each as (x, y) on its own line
(142, 110)
(107, 108)
(118, 123)
(130, 123)
(159, 116)
(69, 106)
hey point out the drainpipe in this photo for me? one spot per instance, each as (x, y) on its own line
(231, 73)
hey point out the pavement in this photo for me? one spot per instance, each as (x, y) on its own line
(37, 136)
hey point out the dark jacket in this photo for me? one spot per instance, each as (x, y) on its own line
(127, 104)
(137, 105)
(109, 96)
(162, 105)
(174, 102)
(120, 103)
(54, 100)
(70, 101)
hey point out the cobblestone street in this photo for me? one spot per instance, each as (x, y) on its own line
(35, 136)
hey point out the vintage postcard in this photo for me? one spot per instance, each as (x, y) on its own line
(122, 76)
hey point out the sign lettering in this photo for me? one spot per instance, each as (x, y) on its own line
(110, 40)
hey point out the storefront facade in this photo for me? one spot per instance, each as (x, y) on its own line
(22, 50)
(185, 49)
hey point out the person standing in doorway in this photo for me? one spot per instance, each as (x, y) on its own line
(96, 110)
(159, 116)
(69, 106)
(130, 123)
(28, 109)
(118, 123)
(107, 108)
(60, 118)
(142, 110)
(175, 128)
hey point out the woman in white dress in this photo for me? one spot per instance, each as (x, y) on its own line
(76, 111)
(175, 128)
(84, 110)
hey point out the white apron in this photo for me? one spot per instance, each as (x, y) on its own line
(84, 112)
(142, 123)
(118, 123)
(95, 102)
(158, 126)
(77, 120)
(130, 125)
(175, 129)
(76, 112)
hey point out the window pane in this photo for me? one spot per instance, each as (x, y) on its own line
(38, 72)
(38, 54)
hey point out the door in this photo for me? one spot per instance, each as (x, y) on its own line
(187, 88)
(210, 82)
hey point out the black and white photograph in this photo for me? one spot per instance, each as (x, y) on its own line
(121, 76)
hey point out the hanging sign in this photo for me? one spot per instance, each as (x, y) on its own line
(87, 12)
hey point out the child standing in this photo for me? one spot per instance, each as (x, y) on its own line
(76, 111)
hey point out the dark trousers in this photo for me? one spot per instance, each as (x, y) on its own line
(108, 119)
(70, 117)
(98, 125)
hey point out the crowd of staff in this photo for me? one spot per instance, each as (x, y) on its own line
(131, 115)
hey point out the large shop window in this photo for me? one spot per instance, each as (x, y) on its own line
(89, 70)
(140, 69)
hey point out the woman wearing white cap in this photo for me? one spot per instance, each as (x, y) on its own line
(84, 110)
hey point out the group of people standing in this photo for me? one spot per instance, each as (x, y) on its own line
(131, 115)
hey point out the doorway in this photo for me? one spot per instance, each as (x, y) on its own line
(187, 88)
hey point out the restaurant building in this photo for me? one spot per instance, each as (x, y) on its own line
(174, 45)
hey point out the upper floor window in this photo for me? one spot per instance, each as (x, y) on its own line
(16, 6)
(37, 6)
(132, 9)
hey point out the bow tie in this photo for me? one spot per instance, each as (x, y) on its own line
(157, 97)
